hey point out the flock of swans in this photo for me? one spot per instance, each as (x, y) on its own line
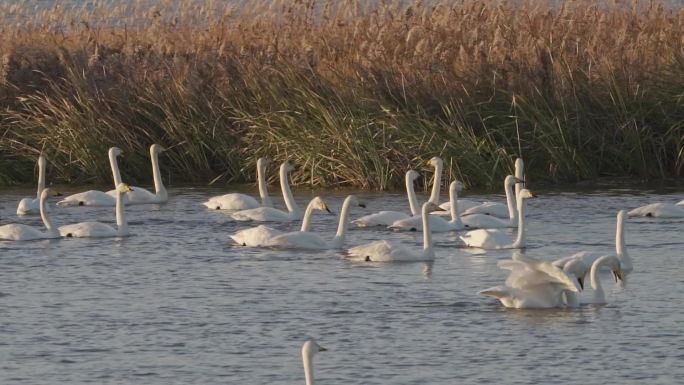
(530, 284)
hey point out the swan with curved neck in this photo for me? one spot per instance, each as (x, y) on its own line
(312, 241)
(532, 284)
(101, 230)
(437, 223)
(261, 236)
(492, 239)
(237, 201)
(30, 205)
(383, 251)
(270, 214)
(95, 197)
(309, 350)
(614, 264)
(139, 195)
(580, 263)
(19, 232)
(387, 217)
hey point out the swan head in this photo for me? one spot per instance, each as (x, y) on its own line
(434, 161)
(41, 161)
(115, 151)
(511, 180)
(577, 269)
(526, 194)
(412, 175)
(519, 164)
(156, 149)
(262, 162)
(355, 201)
(430, 207)
(310, 348)
(455, 186)
(286, 166)
(319, 204)
(48, 192)
(123, 188)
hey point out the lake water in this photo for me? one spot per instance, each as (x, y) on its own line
(177, 304)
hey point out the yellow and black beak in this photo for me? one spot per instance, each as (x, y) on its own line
(326, 208)
(581, 282)
(617, 274)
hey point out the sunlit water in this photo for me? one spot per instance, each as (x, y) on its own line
(177, 304)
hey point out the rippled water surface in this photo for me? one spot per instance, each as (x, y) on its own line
(177, 304)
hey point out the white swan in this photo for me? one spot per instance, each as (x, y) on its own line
(486, 221)
(139, 195)
(312, 241)
(309, 350)
(386, 218)
(520, 174)
(270, 214)
(94, 197)
(383, 251)
(19, 232)
(237, 201)
(31, 205)
(496, 209)
(658, 210)
(261, 235)
(437, 223)
(580, 263)
(532, 284)
(497, 239)
(101, 230)
(438, 164)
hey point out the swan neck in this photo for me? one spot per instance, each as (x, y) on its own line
(620, 237)
(159, 188)
(411, 193)
(44, 214)
(599, 295)
(510, 200)
(41, 176)
(121, 222)
(116, 174)
(453, 202)
(308, 369)
(428, 251)
(520, 240)
(520, 174)
(338, 241)
(306, 222)
(263, 187)
(436, 184)
(292, 207)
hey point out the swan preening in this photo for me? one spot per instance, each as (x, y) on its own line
(261, 235)
(101, 230)
(497, 239)
(309, 350)
(383, 251)
(237, 201)
(30, 205)
(19, 232)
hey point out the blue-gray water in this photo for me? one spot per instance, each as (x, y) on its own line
(176, 304)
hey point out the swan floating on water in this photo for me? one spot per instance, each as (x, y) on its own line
(312, 241)
(383, 251)
(261, 236)
(437, 223)
(386, 218)
(270, 214)
(237, 201)
(94, 197)
(492, 239)
(19, 232)
(98, 229)
(30, 205)
(658, 210)
(532, 284)
(139, 195)
(499, 210)
(309, 350)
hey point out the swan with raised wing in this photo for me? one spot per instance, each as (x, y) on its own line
(20, 232)
(237, 201)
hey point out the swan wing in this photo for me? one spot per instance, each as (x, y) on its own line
(262, 214)
(88, 198)
(88, 230)
(382, 218)
(463, 205)
(298, 240)
(415, 223)
(18, 232)
(482, 221)
(489, 208)
(487, 239)
(232, 201)
(255, 236)
(541, 272)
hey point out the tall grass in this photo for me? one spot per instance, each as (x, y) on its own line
(352, 92)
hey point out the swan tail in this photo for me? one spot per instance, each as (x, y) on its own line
(496, 292)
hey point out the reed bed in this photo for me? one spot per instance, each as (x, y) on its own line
(352, 92)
